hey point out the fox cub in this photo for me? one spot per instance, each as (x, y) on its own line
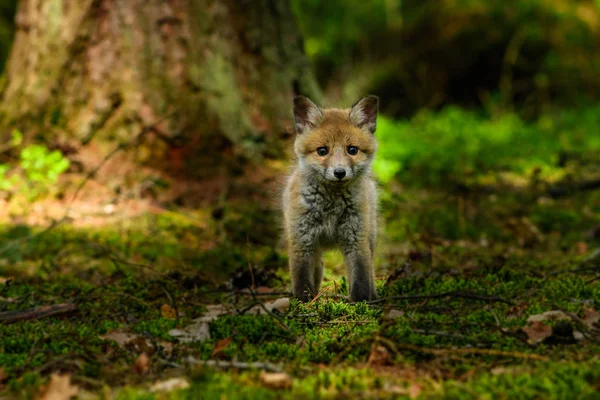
(330, 199)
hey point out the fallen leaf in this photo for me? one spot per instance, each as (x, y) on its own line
(221, 345)
(548, 315)
(414, 390)
(168, 312)
(276, 380)
(59, 388)
(537, 331)
(169, 385)
(199, 330)
(129, 340)
(393, 314)
(120, 337)
(590, 317)
(280, 305)
(582, 248)
(166, 348)
(379, 356)
(142, 364)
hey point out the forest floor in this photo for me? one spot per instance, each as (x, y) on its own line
(492, 296)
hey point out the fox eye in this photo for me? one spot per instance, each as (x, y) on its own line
(322, 151)
(352, 150)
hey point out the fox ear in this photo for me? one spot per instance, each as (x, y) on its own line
(306, 114)
(364, 113)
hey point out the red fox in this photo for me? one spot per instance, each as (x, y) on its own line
(330, 199)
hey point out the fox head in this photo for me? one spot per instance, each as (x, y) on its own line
(336, 146)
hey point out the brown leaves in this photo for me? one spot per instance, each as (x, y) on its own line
(168, 312)
(59, 388)
(280, 305)
(379, 356)
(537, 331)
(590, 317)
(393, 314)
(199, 330)
(130, 340)
(142, 364)
(276, 380)
(557, 324)
(221, 345)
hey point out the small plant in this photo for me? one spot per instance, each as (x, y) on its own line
(35, 174)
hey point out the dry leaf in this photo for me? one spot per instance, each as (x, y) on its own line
(393, 314)
(142, 364)
(166, 348)
(59, 388)
(379, 356)
(221, 345)
(548, 315)
(280, 305)
(582, 248)
(120, 337)
(414, 390)
(169, 385)
(126, 339)
(590, 317)
(276, 380)
(537, 331)
(199, 330)
(168, 312)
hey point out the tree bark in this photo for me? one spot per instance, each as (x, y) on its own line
(198, 70)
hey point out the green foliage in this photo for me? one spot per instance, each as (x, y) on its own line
(455, 145)
(36, 174)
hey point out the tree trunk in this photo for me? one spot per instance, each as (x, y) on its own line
(197, 71)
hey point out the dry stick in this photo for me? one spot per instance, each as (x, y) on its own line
(267, 366)
(442, 352)
(262, 305)
(242, 293)
(463, 295)
(11, 317)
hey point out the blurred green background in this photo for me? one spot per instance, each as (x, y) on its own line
(472, 91)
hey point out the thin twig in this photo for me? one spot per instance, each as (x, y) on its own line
(242, 293)
(460, 351)
(10, 317)
(269, 312)
(267, 366)
(464, 295)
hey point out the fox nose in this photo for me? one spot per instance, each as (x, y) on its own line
(339, 173)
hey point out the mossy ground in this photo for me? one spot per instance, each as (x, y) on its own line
(496, 259)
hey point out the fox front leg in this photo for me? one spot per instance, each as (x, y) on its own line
(361, 276)
(304, 268)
